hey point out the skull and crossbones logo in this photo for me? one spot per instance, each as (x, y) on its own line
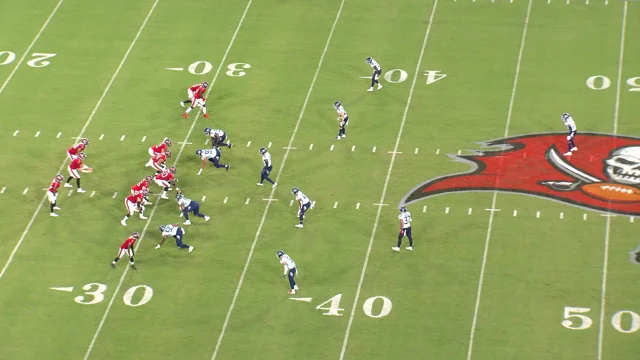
(623, 166)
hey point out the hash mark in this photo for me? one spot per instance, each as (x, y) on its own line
(122, 138)
(515, 213)
(59, 134)
(225, 200)
(492, 209)
(114, 195)
(394, 152)
(16, 133)
(204, 198)
(143, 138)
(310, 146)
(584, 216)
(381, 204)
(374, 149)
(357, 206)
(335, 205)
(630, 219)
(561, 216)
(174, 69)
(469, 213)
(446, 211)
(269, 146)
(537, 214)
(289, 148)
(70, 192)
(459, 152)
(206, 141)
(4, 188)
(424, 208)
(37, 134)
(353, 148)
(290, 202)
(186, 143)
(416, 151)
(25, 191)
(313, 204)
(92, 193)
(438, 152)
(101, 137)
(331, 148)
(248, 144)
(247, 202)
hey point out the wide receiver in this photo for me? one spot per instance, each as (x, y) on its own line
(127, 248)
(52, 194)
(77, 149)
(196, 98)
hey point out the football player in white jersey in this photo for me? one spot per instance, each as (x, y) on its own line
(217, 137)
(266, 169)
(377, 70)
(304, 204)
(571, 125)
(343, 118)
(186, 206)
(212, 155)
(289, 269)
(405, 229)
(177, 232)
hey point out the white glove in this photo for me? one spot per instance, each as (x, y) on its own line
(158, 246)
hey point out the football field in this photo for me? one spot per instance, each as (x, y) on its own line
(522, 249)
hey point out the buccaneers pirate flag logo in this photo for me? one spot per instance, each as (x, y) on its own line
(604, 175)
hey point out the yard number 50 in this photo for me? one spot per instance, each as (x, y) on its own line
(625, 321)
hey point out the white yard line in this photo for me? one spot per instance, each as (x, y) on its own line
(28, 51)
(177, 158)
(495, 193)
(266, 209)
(84, 128)
(345, 341)
(605, 261)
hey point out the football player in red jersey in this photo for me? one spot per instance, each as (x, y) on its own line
(160, 148)
(77, 149)
(52, 193)
(127, 248)
(142, 185)
(165, 180)
(196, 98)
(134, 203)
(74, 168)
(158, 161)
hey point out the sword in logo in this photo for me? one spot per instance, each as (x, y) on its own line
(561, 164)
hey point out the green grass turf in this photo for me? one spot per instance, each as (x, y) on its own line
(535, 265)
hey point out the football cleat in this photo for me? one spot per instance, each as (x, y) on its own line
(53, 215)
(164, 196)
(188, 222)
(295, 190)
(379, 86)
(57, 208)
(409, 247)
(206, 116)
(567, 153)
(370, 89)
(207, 218)
(184, 115)
(230, 145)
(274, 185)
(395, 248)
(134, 267)
(168, 153)
(81, 190)
(227, 167)
(263, 151)
(299, 226)
(113, 265)
(292, 291)
(123, 223)
(67, 185)
(279, 253)
(142, 217)
(182, 103)
(190, 248)
(260, 184)
(574, 149)
(85, 141)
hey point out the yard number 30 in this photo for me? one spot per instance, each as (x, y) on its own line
(92, 297)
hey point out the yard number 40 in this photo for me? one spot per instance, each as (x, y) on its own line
(334, 306)
(575, 319)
